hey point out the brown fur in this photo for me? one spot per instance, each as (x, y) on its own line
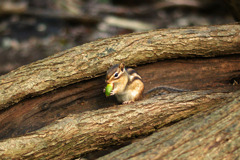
(127, 85)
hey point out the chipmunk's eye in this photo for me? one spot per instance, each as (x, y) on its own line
(116, 75)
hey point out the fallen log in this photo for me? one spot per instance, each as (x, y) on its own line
(93, 59)
(212, 134)
(54, 101)
(78, 134)
(188, 74)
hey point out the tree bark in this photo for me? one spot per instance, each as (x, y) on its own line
(93, 59)
(213, 134)
(82, 133)
(186, 74)
(83, 128)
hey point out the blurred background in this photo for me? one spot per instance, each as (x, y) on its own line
(34, 29)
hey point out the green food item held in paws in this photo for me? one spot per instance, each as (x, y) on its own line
(108, 89)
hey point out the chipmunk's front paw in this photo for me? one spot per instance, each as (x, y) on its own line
(128, 102)
(112, 93)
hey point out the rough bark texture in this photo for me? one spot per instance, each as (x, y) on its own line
(93, 59)
(81, 133)
(206, 135)
(84, 129)
(191, 74)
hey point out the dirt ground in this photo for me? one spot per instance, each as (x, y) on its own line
(33, 30)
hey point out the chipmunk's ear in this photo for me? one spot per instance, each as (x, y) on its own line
(121, 66)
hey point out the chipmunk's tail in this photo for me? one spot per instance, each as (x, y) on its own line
(160, 90)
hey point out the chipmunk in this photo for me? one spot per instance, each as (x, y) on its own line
(127, 83)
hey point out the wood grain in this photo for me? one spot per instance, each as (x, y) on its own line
(78, 134)
(93, 59)
(189, 74)
(213, 134)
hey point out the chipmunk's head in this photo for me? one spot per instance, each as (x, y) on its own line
(117, 76)
(115, 73)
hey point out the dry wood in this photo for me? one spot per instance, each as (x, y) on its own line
(191, 74)
(70, 11)
(81, 133)
(12, 7)
(206, 135)
(93, 59)
(128, 23)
